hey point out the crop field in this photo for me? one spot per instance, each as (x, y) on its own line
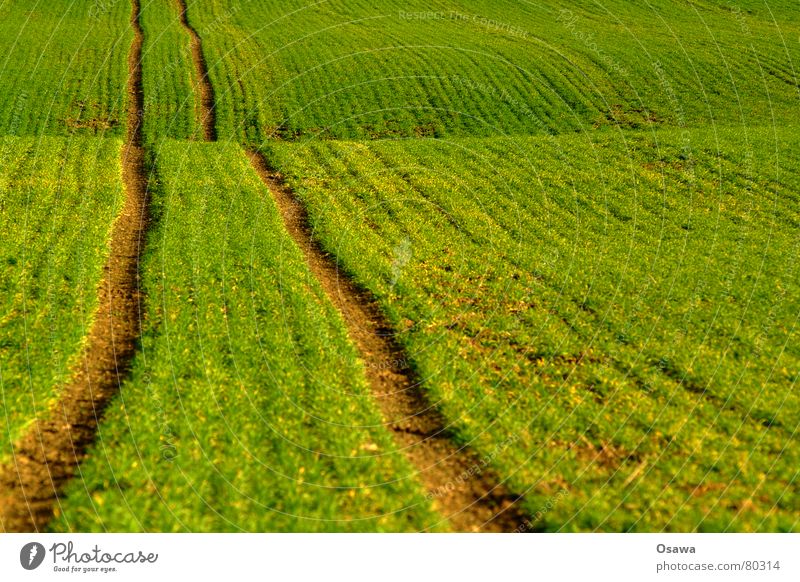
(346, 266)
(169, 109)
(63, 68)
(195, 446)
(357, 69)
(55, 219)
(618, 362)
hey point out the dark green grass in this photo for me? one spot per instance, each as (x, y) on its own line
(58, 200)
(169, 107)
(357, 69)
(247, 408)
(63, 67)
(623, 308)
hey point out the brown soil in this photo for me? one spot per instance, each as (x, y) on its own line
(203, 87)
(97, 124)
(459, 482)
(47, 456)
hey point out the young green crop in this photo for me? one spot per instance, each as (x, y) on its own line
(610, 317)
(169, 101)
(247, 408)
(623, 308)
(58, 200)
(363, 70)
(63, 67)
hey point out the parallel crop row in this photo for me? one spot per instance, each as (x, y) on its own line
(357, 70)
(58, 199)
(63, 67)
(169, 106)
(624, 311)
(247, 408)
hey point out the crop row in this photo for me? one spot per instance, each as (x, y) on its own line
(63, 67)
(625, 309)
(247, 408)
(58, 200)
(293, 70)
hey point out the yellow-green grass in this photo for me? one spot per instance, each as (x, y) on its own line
(247, 408)
(63, 67)
(169, 100)
(359, 69)
(610, 314)
(58, 200)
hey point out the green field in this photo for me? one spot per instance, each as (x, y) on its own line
(63, 68)
(354, 69)
(58, 199)
(580, 220)
(625, 329)
(239, 415)
(169, 102)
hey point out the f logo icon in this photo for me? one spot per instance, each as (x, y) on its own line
(31, 555)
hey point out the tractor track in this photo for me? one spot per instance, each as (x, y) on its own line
(48, 455)
(203, 86)
(463, 487)
(471, 503)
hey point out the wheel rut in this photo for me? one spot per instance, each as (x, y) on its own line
(48, 455)
(463, 487)
(203, 87)
(460, 482)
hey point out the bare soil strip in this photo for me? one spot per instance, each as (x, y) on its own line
(460, 483)
(203, 86)
(48, 455)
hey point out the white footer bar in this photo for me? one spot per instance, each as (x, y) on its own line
(400, 557)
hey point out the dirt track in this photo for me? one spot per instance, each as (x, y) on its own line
(463, 488)
(203, 86)
(47, 456)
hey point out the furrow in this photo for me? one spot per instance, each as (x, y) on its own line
(203, 86)
(48, 455)
(460, 483)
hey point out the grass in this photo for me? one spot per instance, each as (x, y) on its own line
(581, 218)
(357, 70)
(635, 327)
(169, 108)
(63, 67)
(58, 199)
(247, 409)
